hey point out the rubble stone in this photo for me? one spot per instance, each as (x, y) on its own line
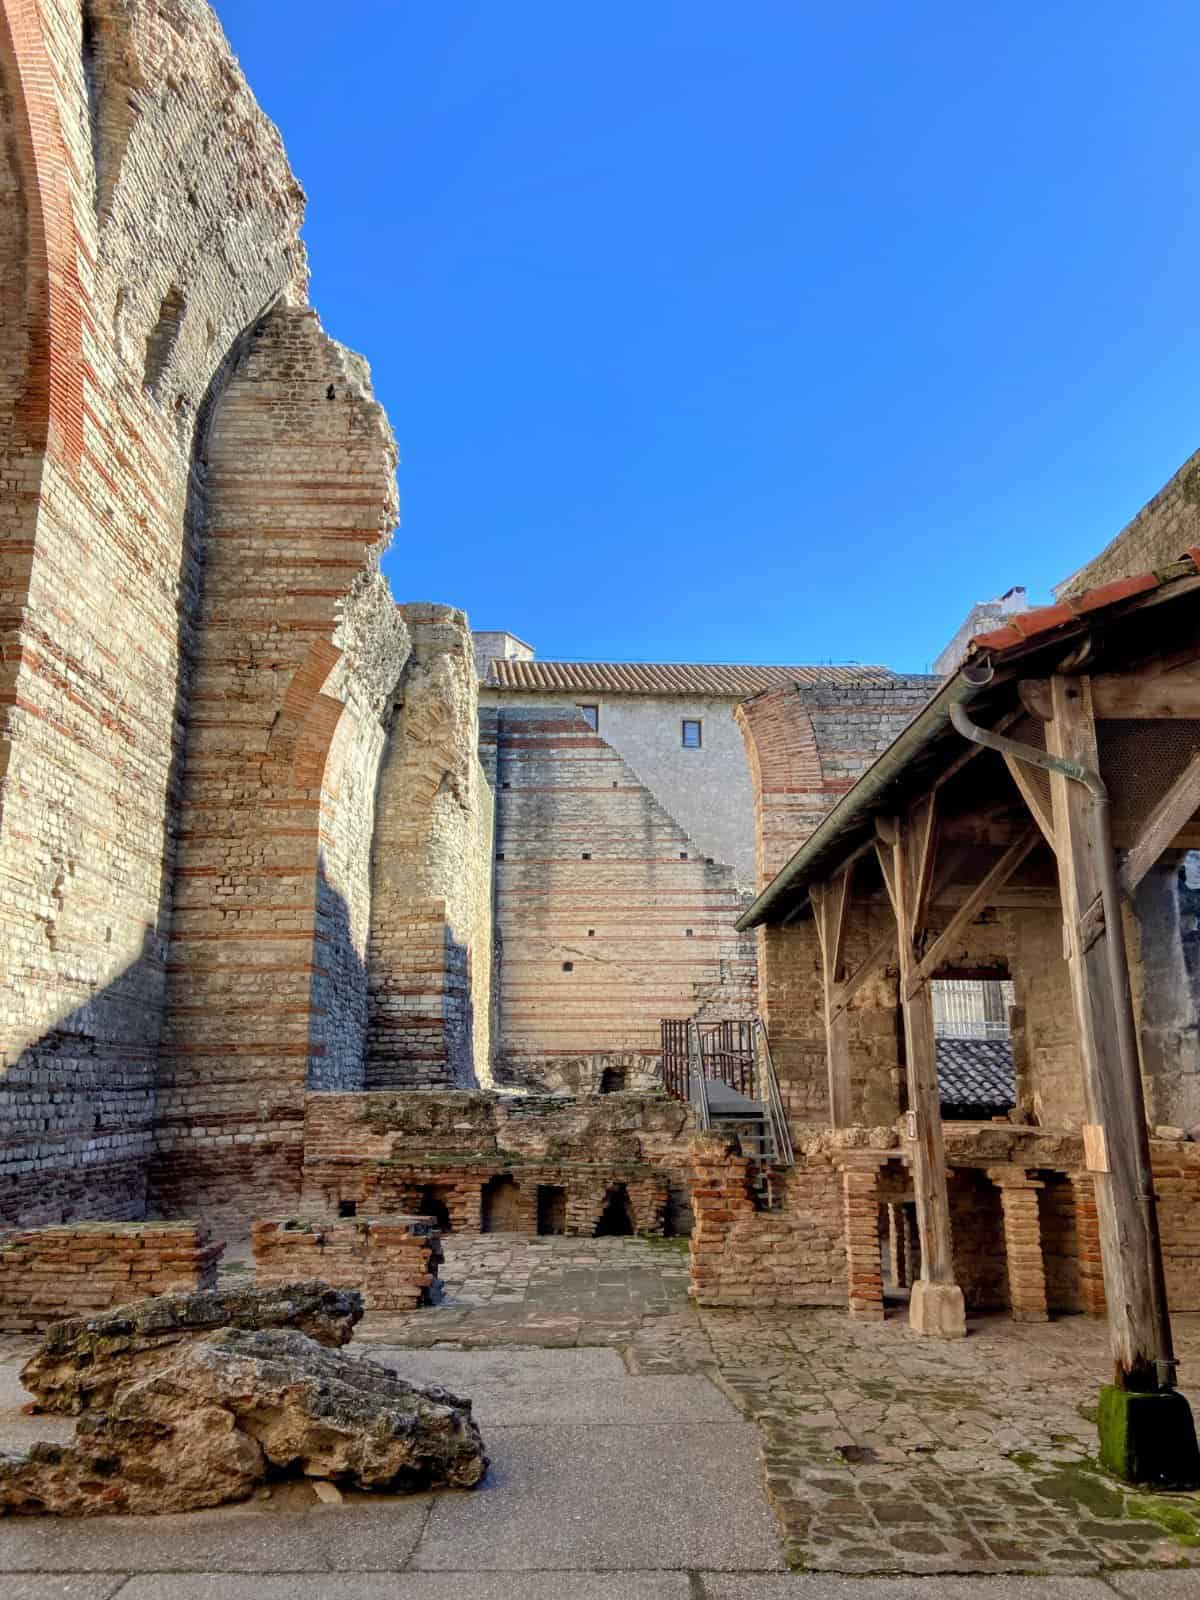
(208, 1426)
(81, 1364)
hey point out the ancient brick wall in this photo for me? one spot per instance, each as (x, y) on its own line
(297, 651)
(608, 917)
(148, 216)
(392, 1259)
(49, 1274)
(808, 744)
(431, 911)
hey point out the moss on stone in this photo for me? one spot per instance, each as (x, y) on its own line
(1076, 1487)
(1174, 1518)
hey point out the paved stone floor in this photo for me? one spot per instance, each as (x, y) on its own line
(633, 1438)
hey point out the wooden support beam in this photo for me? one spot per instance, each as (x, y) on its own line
(975, 902)
(1037, 807)
(936, 1306)
(1177, 806)
(924, 830)
(1116, 1112)
(849, 987)
(1147, 694)
(831, 908)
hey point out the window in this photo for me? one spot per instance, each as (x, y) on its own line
(691, 734)
(591, 715)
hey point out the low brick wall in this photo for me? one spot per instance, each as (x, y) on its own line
(740, 1256)
(78, 1269)
(393, 1260)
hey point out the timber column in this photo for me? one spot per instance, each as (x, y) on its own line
(936, 1307)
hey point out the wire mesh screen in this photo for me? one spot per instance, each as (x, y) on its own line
(1140, 760)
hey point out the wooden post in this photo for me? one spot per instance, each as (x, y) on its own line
(1115, 1107)
(937, 1306)
(831, 905)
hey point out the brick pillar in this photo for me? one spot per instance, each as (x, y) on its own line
(1087, 1237)
(864, 1267)
(1022, 1242)
(897, 1246)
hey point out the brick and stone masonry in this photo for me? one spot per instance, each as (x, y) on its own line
(50, 1274)
(392, 1259)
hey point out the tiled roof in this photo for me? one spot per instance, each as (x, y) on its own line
(1024, 625)
(976, 1073)
(665, 677)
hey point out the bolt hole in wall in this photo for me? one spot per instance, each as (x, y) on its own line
(612, 1080)
(347, 1208)
(616, 1220)
(551, 1208)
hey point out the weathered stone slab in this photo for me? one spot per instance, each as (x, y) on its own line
(80, 1363)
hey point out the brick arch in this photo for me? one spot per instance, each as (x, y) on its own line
(785, 766)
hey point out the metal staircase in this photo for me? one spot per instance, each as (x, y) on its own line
(730, 1082)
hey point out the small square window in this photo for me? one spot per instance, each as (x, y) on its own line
(683, 855)
(591, 933)
(691, 734)
(586, 856)
(568, 966)
(591, 715)
(687, 933)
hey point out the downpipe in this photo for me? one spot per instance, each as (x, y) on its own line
(1118, 974)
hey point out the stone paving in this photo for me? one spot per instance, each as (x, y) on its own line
(622, 1467)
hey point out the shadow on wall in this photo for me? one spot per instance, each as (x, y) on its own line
(77, 1106)
(337, 1043)
(421, 1019)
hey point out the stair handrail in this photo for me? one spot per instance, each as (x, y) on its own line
(772, 1099)
(697, 1089)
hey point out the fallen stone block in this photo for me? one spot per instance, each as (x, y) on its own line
(80, 1363)
(227, 1409)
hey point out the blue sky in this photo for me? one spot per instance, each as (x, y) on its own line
(760, 332)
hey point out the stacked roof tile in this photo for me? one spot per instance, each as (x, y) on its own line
(669, 678)
(976, 1075)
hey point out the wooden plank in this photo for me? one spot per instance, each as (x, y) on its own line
(1038, 809)
(1177, 806)
(1112, 1095)
(886, 867)
(838, 914)
(929, 1155)
(924, 827)
(1147, 694)
(830, 903)
(874, 959)
(975, 902)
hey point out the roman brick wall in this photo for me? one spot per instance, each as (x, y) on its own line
(382, 1150)
(298, 650)
(808, 744)
(608, 916)
(430, 955)
(50, 1274)
(148, 217)
(392, 1259)
(707, 790)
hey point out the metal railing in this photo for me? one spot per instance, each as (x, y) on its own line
(785, 1155)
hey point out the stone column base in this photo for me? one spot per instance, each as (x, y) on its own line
(937, 1310)
(1149, 1438)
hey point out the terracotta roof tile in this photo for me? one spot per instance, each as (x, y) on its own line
(1024, 625)
(664, 677)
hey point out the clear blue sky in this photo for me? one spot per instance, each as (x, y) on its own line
(776, 331)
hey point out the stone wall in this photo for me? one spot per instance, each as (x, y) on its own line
(49, 1274)
(392, 1259)
(1164, 529)
(431, 909)
(608, 916)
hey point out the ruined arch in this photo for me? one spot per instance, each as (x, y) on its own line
(785, 767)
(293, 653)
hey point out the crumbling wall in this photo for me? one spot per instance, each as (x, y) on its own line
(608, 916)
(148, 216)
(297, 651)
(431, 946)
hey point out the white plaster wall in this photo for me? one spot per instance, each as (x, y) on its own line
(707, 791)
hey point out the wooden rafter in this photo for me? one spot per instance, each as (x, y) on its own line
(971, 907)
(1038, 808)
(849, 987)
